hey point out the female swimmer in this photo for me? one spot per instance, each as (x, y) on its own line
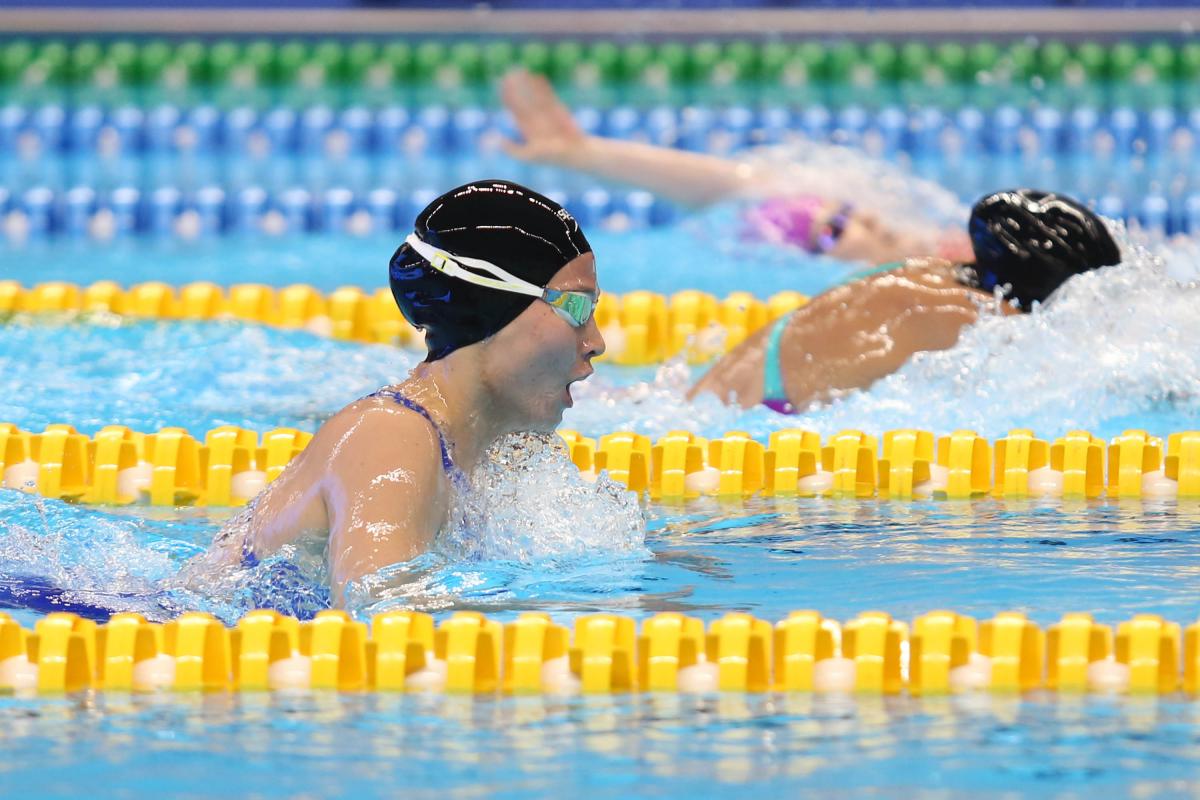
(783, 214)
(503, 283)
(1026, 244)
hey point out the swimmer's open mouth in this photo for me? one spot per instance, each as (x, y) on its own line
(570, 383)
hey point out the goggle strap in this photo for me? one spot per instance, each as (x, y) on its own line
(452, 265)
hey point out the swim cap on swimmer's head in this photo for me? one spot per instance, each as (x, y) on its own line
(1032, 242)
(514, 228)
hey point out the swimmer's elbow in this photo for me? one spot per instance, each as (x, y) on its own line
(357, 556)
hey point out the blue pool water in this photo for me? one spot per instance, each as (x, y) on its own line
(646, 746)
(1117, 350)
(764, 557)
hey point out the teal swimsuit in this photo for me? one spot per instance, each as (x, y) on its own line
(774, 394)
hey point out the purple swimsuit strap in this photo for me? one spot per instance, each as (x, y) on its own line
(779, 405)
(413, 405)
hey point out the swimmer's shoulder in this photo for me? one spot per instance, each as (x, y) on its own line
(376, 430)
(924, 267)
(941, 282)
(925, 273)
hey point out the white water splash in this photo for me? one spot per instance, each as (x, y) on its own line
(527, 521)
(528, 501)
(603, 405)
(84, 555)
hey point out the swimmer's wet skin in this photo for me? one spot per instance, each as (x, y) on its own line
(1026, 245)
(503, 283)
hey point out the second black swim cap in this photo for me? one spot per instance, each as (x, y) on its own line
(526, 234)
(1034, 241)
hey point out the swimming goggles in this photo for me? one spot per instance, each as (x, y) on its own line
(575, 308)
(827, 237)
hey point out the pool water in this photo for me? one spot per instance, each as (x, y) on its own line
(1117, 350)
(618, 746)
(763, 556)
(766, 557)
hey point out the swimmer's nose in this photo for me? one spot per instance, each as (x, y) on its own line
(593, 340)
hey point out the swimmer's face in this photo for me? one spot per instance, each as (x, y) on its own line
(867, 238)
(532, 361)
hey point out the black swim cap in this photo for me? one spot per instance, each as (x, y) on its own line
(1034, 241)
(514, 228)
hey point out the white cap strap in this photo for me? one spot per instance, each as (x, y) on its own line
(455, 267)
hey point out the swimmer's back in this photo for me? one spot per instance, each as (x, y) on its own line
(854, 334)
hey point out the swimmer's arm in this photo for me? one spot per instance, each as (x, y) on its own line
(551, 136)
(384, 496)
(738, 376)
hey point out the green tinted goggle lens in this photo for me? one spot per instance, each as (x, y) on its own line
(574, 307)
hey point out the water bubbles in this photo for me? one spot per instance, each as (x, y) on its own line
(527, 524)
(654, 407)
(527, 501)
(52, 552)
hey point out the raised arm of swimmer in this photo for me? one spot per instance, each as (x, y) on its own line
(783, 212)
(551, 136)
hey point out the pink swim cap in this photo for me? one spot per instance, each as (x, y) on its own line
(790, 220)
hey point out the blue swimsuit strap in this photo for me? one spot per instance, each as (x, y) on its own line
(774, 393)
(413, 405)
(773, 390)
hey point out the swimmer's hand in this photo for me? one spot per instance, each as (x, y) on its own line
(550, 133)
